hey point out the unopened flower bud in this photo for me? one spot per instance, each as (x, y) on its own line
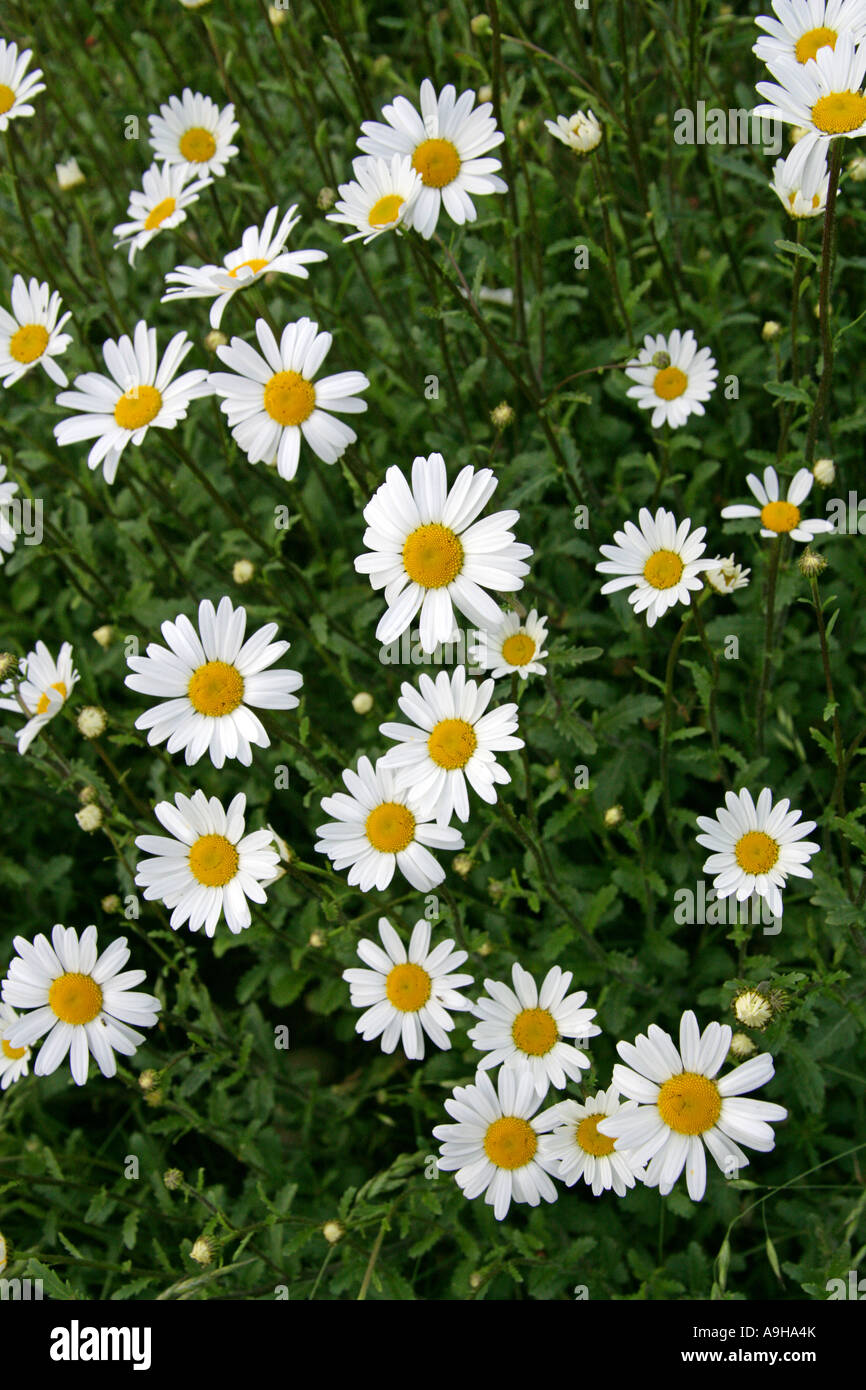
(614, 816)
(811, 564)
(502, 415)
(362, 703)
(770, 330)
(91, 721)
(333, 1231)
(752, 1009)
(742, 1046)
(104, 635)
(203, 1250)
(148, 1079)
(462, 864)
(326, 198)
(243, 571)
(89, 818)
(661, 360)
(214, 339)
(480, 25)
(69, 175)
(824, 472)
(172, 1178)
(111, 903)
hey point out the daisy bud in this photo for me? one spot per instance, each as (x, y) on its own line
(214, 339)
(485, 93)
(87, 795)
(147, 1079)
(104, 635)
(89, 818)
(327, 197)
(316, 940)
(110, 903)
(742, 1046)
(278, 14)
(243, 571)
(333, 1231)
(476, 1279)
(8, 662)
(172, 1179)
(69, 175)
(857, 168)
(613, 816)
(462, 864)
(811, 564)
(203, 1250)
(770, 330)
(824, 472)
(797, 132)
(362, 703)
(480, 25)
(91, 721)
(495, 888)
(485, 949)
(752, 1009)
(661, 361)
(153, 1098)
(501, 415)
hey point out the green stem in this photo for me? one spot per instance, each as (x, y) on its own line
(767, 662)
(823, 396)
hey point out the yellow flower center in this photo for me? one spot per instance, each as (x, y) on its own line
(756, 852)
(519, 649)
(590, 1140)
(813, 39)
(137, 407)
(255, 265)
(433, 556)
(7, 98)
(45, 700)
(13, 1053)
(663, 569)
(437, 161)
(510, 1142)
(535, 1031)
(215, 689)
(780, 516)
(289, 398)
(29, 342)
(157, 215)
(839, 112)
(452, 743)
(385, 210)
(213, 860)
(75, 998)
(689, 1103)
(408, 987)
(390, 827)
(197, 145)
(669, 383)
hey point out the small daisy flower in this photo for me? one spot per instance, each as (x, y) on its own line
(427, 550)
(271, 401)
(756, 845)
(660, 562)
(514, 647)
(447, 144)
(43, 691)
(13, 1060)
(140, 392)
(801, 181)
(85, 1003)
(261, 252)
(377, 829)
(207, 682)
(191, 131)
(823, 94)
(8, 534)
(499, 1146)
(780, 516)
(159, 205)
(525, 1028)
(682, 1108)
(582, 1152)
(208, 868)
(753, 1009)
(405, 995)
(450, 741)
(802, 27)
(580, 132)
(379, 198)
(674, 376)
(728, 577)
(32, 334)
(16, 88)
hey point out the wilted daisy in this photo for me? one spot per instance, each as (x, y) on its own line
(823, 95)
(450, 741)
(13, 1060)
(377, 829)
(17, 86)
(43, 691)
(515, 646)
(447, 143)
(780, 516)
(407, 994)
(8, 534)
(192, 131)
(681, 1107)
(728, 576)
(261, 252)
(32, 334)
(207, 682)
(270, 401)
(166, 192)
(379, 197)
(584, 1153)
(428, 552)
(802, 27)
(580, 132)
(674, 376)
(139, 392)
(86, 1001)
(499, 1146)
(801, 181)
(660, 562)
(755, 847)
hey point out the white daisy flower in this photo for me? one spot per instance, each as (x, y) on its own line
(192, 131)
(13, 1060)
(426, 553)
(86, 1001)
(139, 392)
(582, 1152)
(802, 27)
(43, 691)
(674, 376)
(16, 89)
(159, 205)
(498, 1146)
(755, 847)
(450, 741)
(32, 334)
(208, 681)
(780, 516)
(681, 1107)
(270, 401)
(802, 180)
(661, 562)
(405, 995)
(209, 868)
(377, 829)
(580, 132)
(525, 1028)
(261, 252)
(514, 646)
(446, 143)
(379, 197)
(8, 534)
(728, 576)
(822, 95)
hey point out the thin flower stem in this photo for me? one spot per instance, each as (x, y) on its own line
(838, 796)
(822, 398)
(711, 710)
(664, 750)
(767, 661)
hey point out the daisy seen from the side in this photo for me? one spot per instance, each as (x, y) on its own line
(31, 335)
(515, 646)
(659, 560)
(802, 27)
(582, 1152)
(580, 132)
(673, 377)
(42, 692)
(160, 204)
(8, 501)
(755, 846)
(18, 87)
(727, 576)
(193, 132)
(780, 516)
(14, 1061)
(801, 181)
(822, 95)
(379, 197)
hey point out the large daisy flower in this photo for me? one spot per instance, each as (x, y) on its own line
(583, 1152)
(499, 1146)
(450, 741)
(780, 516)
(379, 197)
(377, 829)
(86, 1001)
(802, 27)
(8, 534)
(261, 252)
(43, 691)
(802, 180)
(32, 334)
(207, 682)
(14, 1061)
(660, 562)
(756, 846)
(158, 206)
(515, 646)
(674, 376)
(16, 88)
(405, 995)
(140, 392)
(192, 131)
(270, 401)
(427, 551)
(681, 1107)
(447, 143)
(822, 95)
